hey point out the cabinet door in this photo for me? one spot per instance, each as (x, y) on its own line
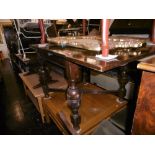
(144, 117)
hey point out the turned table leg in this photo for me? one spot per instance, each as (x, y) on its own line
(74, 99)
(122, 80)
(73, 93)
(43, 75)
(43, 80)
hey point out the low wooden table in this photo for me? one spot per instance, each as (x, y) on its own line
(36, 95)
(74, 59)
(94, 108)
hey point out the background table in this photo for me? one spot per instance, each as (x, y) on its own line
(36, 95)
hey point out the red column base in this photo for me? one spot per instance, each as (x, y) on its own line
(105, 51)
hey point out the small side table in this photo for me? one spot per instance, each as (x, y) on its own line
(37, 95)
(94, 109)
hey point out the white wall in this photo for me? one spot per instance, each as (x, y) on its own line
(3, 46)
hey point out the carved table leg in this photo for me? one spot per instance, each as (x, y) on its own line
(43, 75)
(74, 99)
(43, 80)
(122, 80)
(73, 93)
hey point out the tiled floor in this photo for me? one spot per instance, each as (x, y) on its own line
(18, 115)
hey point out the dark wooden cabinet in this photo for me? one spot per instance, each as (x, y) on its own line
(144, 117)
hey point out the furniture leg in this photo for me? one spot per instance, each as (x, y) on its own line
(25, 89)
(74, 99)
(41, 108)
(122, 80)
(47, 117)
(73, 94)
(86, 75)
(43, 81)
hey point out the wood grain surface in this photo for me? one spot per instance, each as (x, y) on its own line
(144, 117)
(93, 109)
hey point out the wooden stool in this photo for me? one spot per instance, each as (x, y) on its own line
(94, 108)
(37, 95)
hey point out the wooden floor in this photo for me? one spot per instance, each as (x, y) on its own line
(18, 115)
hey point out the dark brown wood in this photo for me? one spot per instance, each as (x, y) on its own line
(86, 74)
(123, 80)
(44, 78)
(73, 93)
(87, 58)
(73, 72)
(74, 101)
(93, 109)
(144, 117)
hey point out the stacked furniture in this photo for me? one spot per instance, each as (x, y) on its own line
(36, 94)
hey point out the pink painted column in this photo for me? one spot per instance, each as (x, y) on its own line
(43, 36)
(105, 37)
(84, 26)
(153, 32)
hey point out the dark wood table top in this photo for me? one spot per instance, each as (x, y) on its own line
(87, 58)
